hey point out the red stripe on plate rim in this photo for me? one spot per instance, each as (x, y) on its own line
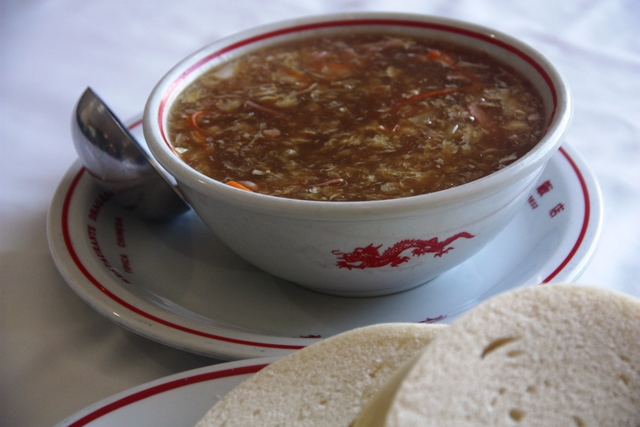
(83, 269)
(161, 388)
(102, 288)
(585, 222)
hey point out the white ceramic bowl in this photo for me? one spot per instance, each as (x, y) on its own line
(362, 248)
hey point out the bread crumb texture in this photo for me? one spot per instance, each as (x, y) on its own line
(548, 355)
(325, 384)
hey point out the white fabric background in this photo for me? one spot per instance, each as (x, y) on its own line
(56, 354)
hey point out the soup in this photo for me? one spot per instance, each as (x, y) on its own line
(356, 118)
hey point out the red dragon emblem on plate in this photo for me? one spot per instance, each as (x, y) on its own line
(370, 256)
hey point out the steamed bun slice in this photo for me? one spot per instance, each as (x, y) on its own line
(552, 355)
(324, 384)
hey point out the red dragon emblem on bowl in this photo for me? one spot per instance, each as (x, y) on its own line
(370, 256)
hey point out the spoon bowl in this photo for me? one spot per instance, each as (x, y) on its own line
(119, 164)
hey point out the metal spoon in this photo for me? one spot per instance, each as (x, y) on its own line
(119, 164)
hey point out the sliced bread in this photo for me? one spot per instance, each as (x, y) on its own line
(552, 355)
(324, 384)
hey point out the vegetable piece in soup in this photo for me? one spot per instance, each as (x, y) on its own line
(354, 118)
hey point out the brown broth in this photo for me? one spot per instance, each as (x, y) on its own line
(359, 117)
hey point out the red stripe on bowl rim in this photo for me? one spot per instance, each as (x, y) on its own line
(354, 22)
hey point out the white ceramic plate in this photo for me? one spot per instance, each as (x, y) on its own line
(176, 283)
(176, 400)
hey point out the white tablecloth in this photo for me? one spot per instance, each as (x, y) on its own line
(57, 355)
